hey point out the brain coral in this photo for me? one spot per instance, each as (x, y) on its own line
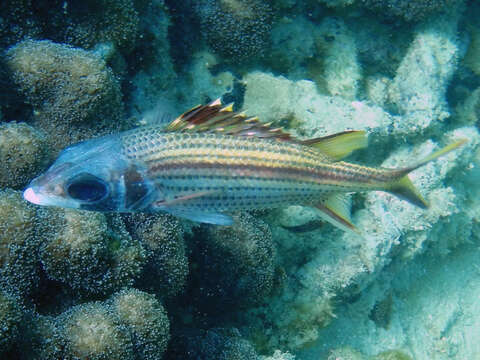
(73, 93)
(23, 154)
(407, 9)
(235, 29)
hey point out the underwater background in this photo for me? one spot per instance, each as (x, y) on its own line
(279, 284)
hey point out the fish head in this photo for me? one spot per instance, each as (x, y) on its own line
(88, 175)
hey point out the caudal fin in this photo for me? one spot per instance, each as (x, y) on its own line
(404, 188)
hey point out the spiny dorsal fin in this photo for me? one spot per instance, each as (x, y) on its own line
(339, 145)
(215, 117)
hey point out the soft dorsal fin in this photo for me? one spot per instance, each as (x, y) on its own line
(215, 117)
(339, 145)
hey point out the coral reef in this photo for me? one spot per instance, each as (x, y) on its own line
(237, 263)
(24, 154)
(11, 316)
(278, 284)
(19, 270)
(166, 267)
(89, 252)
(236, 29)
(146, 321)
(93, 331)
(73, 93)
(221, 344)
(410, 10)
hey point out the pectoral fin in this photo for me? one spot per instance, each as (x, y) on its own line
(336, 210)
(202, 217)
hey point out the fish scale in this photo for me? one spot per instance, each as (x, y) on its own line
(263, 173)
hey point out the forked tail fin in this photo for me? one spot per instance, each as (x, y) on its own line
(404, 188)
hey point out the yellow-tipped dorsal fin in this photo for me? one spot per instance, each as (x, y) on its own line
(339, 145)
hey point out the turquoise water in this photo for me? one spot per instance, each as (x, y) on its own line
(279, 284)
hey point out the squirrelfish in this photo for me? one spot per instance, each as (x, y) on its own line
(212, 161)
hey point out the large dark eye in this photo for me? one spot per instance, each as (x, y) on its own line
(86, 187)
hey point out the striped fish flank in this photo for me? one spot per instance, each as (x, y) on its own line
(211, 161)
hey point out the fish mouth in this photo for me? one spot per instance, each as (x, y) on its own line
(31, 196)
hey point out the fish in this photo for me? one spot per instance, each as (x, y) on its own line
(212, 161)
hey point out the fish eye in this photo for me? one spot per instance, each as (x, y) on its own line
(86, 187)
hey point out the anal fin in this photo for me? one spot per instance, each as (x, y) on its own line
(336, 210)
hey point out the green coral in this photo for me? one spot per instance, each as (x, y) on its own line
(89, 252)
(73, 93)
(23, 153)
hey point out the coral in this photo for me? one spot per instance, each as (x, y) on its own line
(471, 59)
(278, 355)
(155, 77)
(17, 22)
(88, 252)
(146, 321)
(337, 3)
(345, 353)
(93, 22)
(275, 98)
(73, 93)
(238, 30)
(11, 316)
(293, 46)
(420, 84)
(409, 10)
(237, 263)
(468, 112)
(166, 268)
(19, 270)
(24, 154)
(93, 331)
(341, 69)
(222, 344)
(392, 355)
(381, 312)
